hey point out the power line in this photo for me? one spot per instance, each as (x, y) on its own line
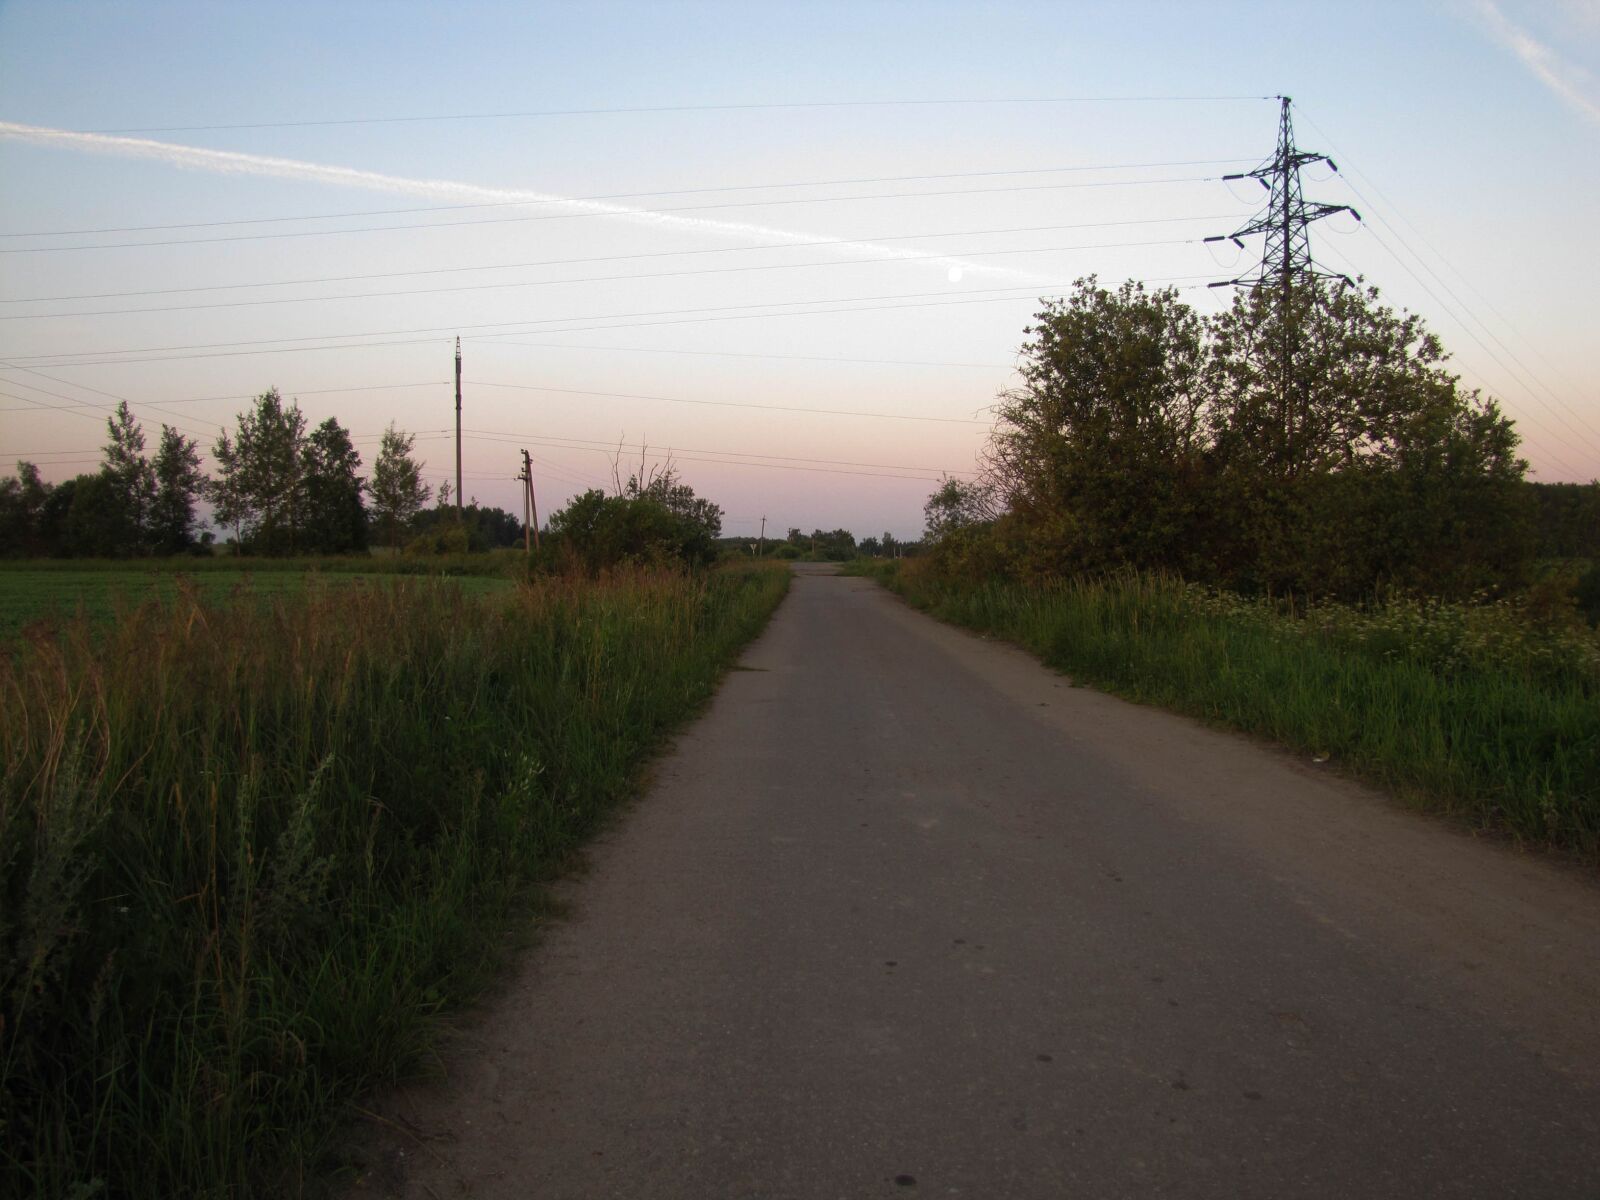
(1525, 418)
(672, 453)
(531, 283)
(633, 212)
(833, 462)
(680, 108)
(972, 297)
(819, 358)
(11, 366)
(295, 393)
(1527, 379)
(564, 262)
(420, 435)
(743, 187)
(41, 406)
(1588, 437)
(832, 412)
(1177, 280)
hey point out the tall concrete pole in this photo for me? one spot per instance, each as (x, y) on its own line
(458, 430)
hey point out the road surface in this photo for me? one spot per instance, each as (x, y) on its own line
(907, 914)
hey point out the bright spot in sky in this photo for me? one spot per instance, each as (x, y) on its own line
(955, 274)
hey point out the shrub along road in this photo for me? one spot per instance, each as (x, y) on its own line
(907, 913)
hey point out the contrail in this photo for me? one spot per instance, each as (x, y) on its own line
(1565, 79)
(231, 162)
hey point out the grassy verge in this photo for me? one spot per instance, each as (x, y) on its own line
(51, 591)
(502, 562)
(250, 853)
(1465, 710)
(52, 596)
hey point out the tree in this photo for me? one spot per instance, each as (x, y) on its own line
(231, 505)
(1106, 428)
(22, 507)
(1315, 444)
(398, 492)
(335, 516)
(261, 476)
(53, 536)
(96, 525)
(130, 486)
(1347, 456)
(176, 472)
(485, 527)
(658, 519)
(955, 504)
(701, 520)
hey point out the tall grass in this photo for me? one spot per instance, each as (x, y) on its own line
(250, 853)
(1471, 710)
(508, 563)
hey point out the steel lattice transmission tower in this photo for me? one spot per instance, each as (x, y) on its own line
(1288, 278)
(1286, 256)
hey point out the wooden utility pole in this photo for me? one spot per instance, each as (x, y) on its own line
(763, 535)
(523, 478)
(530, 502)
(458, 430)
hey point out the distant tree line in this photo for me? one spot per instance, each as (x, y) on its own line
(279, 488)
(1317, 446)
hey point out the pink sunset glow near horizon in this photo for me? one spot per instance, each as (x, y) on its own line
(686, 244)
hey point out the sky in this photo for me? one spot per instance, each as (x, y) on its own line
(791, 248)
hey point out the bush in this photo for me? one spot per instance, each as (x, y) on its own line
(442, 539)
(654, 523)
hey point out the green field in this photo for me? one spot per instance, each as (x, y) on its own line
(49, 593)
(251, 854)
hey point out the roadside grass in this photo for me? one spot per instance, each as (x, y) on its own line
(54, 590)
(1473, 711)
(501, 562)
(54, 595)
(250, 854)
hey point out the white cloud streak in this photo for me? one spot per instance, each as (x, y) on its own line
(230, 162)
(1568, 81)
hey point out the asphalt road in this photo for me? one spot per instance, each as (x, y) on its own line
(907, 914)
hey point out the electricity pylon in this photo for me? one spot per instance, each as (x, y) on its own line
(1286, 255)
(1288, 278)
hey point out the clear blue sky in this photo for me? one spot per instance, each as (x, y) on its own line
(1470, 131)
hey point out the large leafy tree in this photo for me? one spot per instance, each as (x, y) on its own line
(231, 503)
(170, 527)
(335, 516)
(397, 490)
(1107, 424)
(1347, 455)
(260, 490)
(23, 500)
(1317, 444)
(130, 486)
(96, 524)
(955, 505)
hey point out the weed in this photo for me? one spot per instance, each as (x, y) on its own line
(1486, 711)
(251, 852)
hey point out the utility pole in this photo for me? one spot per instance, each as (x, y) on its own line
(530, 503)
(522, 478)
(1286, 266)
(763, 542)
(458, 430)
